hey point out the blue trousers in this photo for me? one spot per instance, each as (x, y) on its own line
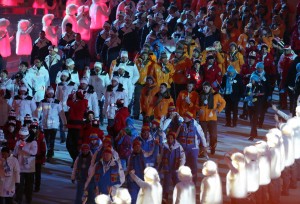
(170, 179)
(133, 190)
(79, 193)
(191, 161)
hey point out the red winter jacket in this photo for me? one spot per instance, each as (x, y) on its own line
(11, 137)
(76, 112)
(213, 75)
(85, 133)
(246, 72)
(40, 157)
(120, 120)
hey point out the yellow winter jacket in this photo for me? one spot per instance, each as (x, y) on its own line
(206, 114)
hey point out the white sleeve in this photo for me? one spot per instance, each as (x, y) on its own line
(182, 156)
(165, 123)
(136, 74)
(95, 106)
(62, 113)
(283, 115)
(175, 195)
(16, 171)
(57, 80)
(139, 182)
(200, 134)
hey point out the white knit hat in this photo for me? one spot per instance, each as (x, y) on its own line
(23, 88)
(124, 53)
(50, 90)
(65, 73)
(84, 81)
(24, 131)
(69, 62)
(98, 64)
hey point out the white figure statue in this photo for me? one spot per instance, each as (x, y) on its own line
(184, 191)
(211, 186)
(150, 189)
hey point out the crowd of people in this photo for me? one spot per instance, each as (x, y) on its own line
(175, 66)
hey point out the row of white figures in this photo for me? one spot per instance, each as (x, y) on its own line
(81, 24)
(260, 168)
(184, 191)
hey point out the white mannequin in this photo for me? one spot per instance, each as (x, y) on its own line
(122, 196)
(184, 191)
(70, 17)
(273, 142)
(211, 186)
(103, 199)
(150, 189)
(287, 136)
(295, 124)
(278, 133)
(236, 179)
(252, 166)
(264, 162)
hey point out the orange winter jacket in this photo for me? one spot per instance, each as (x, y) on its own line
(161, 76)
(182, 106)
(146, 99)
(206, 114)
(161, 104)
(236, 60)
(144, 69)
(180, 67)
(221, 58)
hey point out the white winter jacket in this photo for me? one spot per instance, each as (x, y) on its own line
(131, 68)
(9, 176)
(63, 90)
(92, 98)
(40, 81)
(50, 110)
(74, 77)
(112, 94)
(24, 106)
(99, 81)
(26, 156)
(149, 193)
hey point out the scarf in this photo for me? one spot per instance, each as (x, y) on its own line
(229, 81)
(161, 96)
(261, 75)
(207, 99)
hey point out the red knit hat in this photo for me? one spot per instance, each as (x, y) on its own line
(171, 108)
(85, 147)
(171, 133)
(136, 142)
(107, 150)
(189, 115)
(146, 127)
(107, 139)
(156, 122)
